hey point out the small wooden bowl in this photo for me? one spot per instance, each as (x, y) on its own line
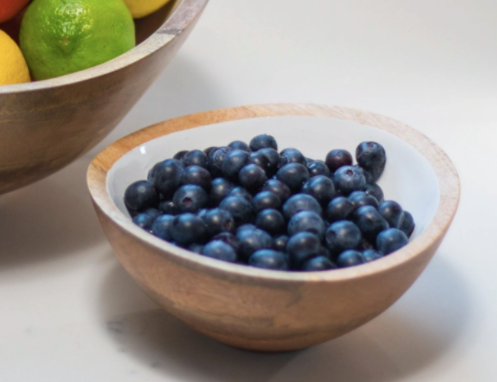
(270, 310)
(46, 125)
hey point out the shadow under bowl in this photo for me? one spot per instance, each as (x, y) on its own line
(271, 310)
(46, 125)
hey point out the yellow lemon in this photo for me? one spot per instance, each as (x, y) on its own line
(142, 8)
(13, 67)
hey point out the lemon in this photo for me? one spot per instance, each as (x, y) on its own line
(142, 8)
(13, 68)
(59, 37)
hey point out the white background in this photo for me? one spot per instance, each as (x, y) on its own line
(69, 312)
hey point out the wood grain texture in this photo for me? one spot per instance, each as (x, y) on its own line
(46, 125)
(266, 310)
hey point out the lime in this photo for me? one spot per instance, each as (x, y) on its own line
(13, 68)
(142, 8)
(64, 36)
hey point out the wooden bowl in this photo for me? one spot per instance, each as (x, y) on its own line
(271, 310)
(46, 125)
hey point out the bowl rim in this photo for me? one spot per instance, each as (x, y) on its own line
(448, 179)
(185, 14)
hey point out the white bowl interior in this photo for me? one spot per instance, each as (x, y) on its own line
(408, 177)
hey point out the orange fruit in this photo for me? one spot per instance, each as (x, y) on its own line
(13, 26)
(10, 8)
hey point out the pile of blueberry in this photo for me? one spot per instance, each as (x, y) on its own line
(250, 204)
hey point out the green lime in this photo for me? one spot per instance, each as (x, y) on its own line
(64, 36)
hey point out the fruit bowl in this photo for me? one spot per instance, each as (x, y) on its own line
(46, 125)
(269, 310)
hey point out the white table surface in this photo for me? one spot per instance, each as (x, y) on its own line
(68, 310)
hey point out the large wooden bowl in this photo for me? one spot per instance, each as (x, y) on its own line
(271, 310)
(46, 125)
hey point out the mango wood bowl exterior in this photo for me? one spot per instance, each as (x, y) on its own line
(46, 125)
(259, 309)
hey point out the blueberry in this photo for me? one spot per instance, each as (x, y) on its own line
(196, 248)
(271, 221)
(371, 255)
(195, 158)
(370, 222)
(219, 220)
(208, 151)
(339, 208)
(233, 163)
(151, 173)
(141, 195)
(291, 155)
(228, 238)
(279, 243)
(348, 179)
(374, 190)
(220, 251)
(144, 221)
(349, 193)
(320, 263)
(273, 160)
(202, 213)
(154, 212)
(301, 247)
(262, 141)
(321, 188)
(294, 175)
(162, 227)
(180, 154)
(167, 207)
(407, 225)
(338, 158)
(306, 221)
(324, 252)
(244, 227)
(187, 229)
(342, 235)
(242, 192)
(392, 212)
(167, 176)
(268, 259)
(252, 241)
(372, 157)
(197, 175)
(252, 177)
(391, 240)
(266, 199)
(215, 161)
(350, 258)
(366, 244)
(260, 160)
(220, 189)
(277, 187)
(367, 174)
(240, 209)
(190, 198)
(360, 198)
(298, 203)
(317, 167)
(239, 145)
